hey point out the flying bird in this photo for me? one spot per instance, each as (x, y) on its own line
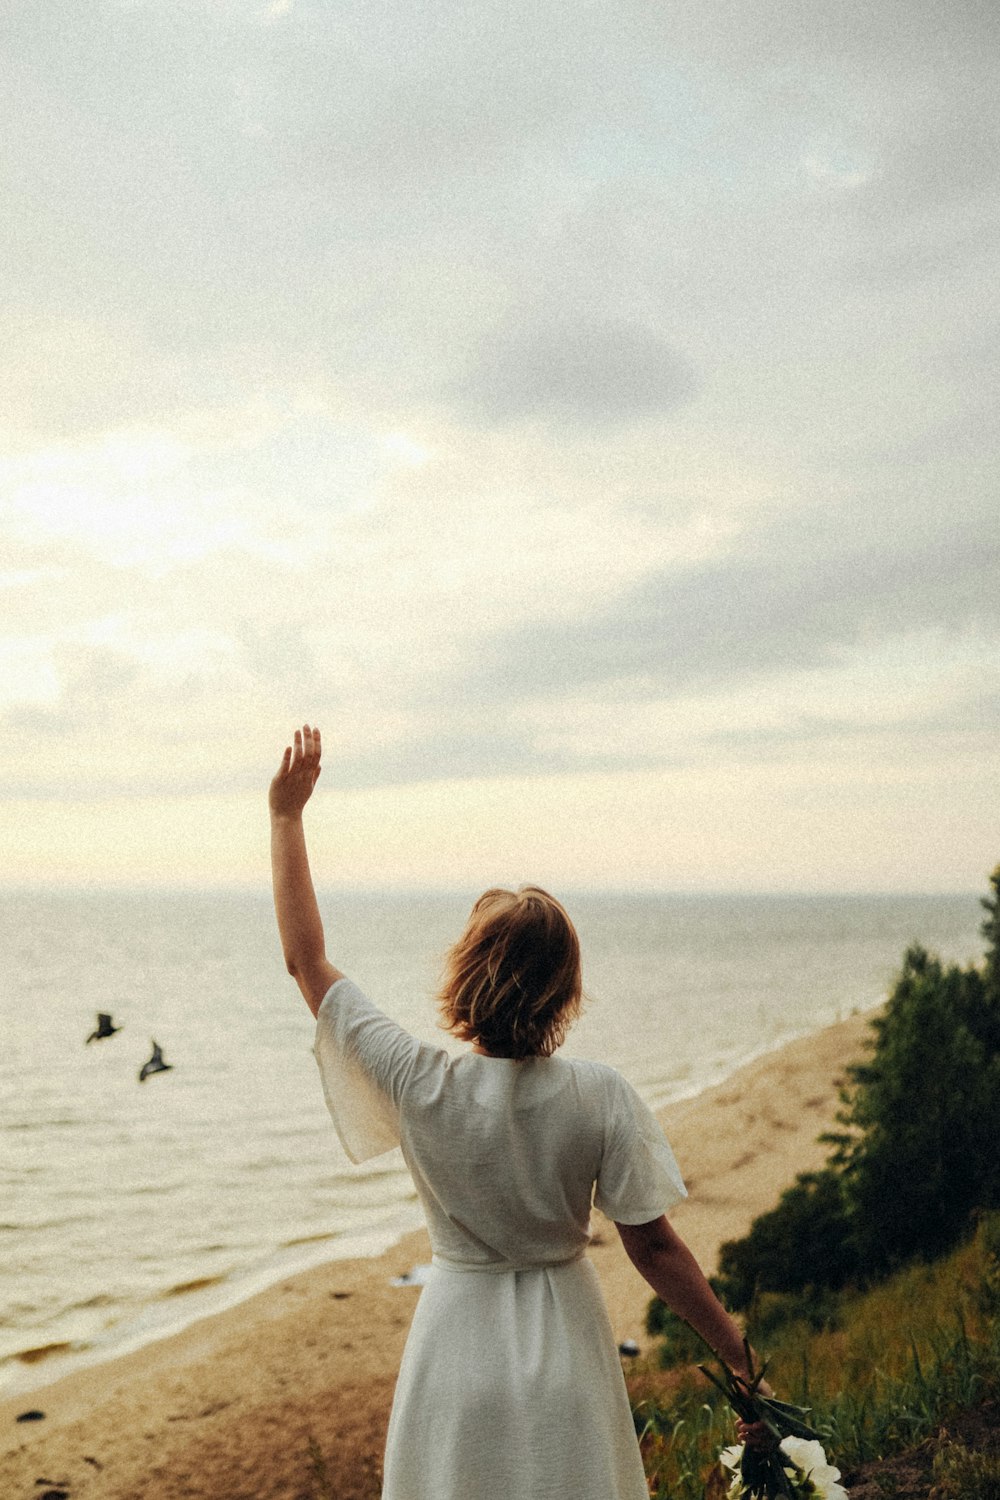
(105, 1027)
(155, 1064)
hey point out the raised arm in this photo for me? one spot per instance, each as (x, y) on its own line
(299, 922)
(661, 1256)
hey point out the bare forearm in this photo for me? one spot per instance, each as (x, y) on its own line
(661, 1256)
(678, 1280)
(299, 922)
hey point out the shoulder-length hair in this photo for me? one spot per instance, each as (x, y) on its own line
(512, 982)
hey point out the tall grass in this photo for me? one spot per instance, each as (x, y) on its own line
(682, 1429)
(883, 1371)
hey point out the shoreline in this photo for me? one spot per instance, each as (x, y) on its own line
(242, 1400)
(34, 1369)
(174, 1311)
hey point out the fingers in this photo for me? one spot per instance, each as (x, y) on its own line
(297, 774)
(310, 748)
(305, 751)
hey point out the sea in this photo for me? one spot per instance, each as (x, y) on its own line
(129, 1209)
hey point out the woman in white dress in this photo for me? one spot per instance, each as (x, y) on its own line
(510, 1386)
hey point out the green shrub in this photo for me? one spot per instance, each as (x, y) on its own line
(773, 1314)
(804, 1242)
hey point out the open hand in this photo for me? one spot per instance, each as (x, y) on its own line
(297, 775)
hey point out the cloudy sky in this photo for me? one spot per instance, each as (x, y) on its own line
(585, 412)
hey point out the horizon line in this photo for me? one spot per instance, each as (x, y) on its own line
(336, 888)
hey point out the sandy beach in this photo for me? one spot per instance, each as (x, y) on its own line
(286, 1396)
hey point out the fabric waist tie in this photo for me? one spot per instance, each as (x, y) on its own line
(497, 1267)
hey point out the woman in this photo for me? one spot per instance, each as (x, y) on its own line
(510, 1386)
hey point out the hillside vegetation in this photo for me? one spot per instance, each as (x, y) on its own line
(874, 1283)
(916, 1158)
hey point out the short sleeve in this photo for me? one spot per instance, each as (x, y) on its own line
(639, 1178)
(364, 1061)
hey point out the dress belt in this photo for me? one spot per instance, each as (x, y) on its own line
(497, 1267)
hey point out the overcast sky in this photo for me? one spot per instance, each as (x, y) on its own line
(585, 412)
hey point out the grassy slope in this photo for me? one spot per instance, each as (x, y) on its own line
(906, 1376)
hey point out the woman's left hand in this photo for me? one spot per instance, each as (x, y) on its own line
(755, 1434)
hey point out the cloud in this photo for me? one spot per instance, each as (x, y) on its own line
(682, 318)
(788, 599)
(204, 202)
(572, 371)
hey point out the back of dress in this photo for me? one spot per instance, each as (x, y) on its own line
(510, 1386)
(507, 1155)
(504, 1154)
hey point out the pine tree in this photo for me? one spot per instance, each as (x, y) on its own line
(925, 1112)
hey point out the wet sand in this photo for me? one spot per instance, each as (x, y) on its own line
(286, 1396)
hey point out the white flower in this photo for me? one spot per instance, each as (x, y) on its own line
(817, 1478)
(819, 1473)
(731, 1458)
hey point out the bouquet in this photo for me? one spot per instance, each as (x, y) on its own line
(791, 1464)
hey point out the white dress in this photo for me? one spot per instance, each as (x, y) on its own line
(510, 1386)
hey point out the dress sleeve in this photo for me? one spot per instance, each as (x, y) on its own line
(639, 1178)
(364, 1061)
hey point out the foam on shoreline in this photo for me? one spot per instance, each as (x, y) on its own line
(178, 1307)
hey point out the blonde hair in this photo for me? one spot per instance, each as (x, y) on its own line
(512, 982)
